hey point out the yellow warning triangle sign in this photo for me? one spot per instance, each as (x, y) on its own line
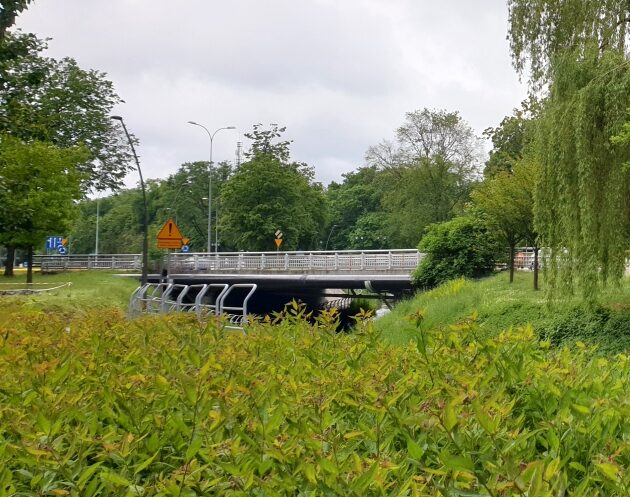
(170, 231)
(169, 236)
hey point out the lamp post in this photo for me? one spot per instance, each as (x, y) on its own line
(98, 211)
(329, 234)
(211, 136)
(145, 225)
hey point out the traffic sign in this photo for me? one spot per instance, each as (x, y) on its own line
(54, 242)
(62, 250)
(169, 237)
(278, 242)
(279, 234)
(185, 249)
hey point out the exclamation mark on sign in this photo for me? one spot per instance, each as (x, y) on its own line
(170, 229)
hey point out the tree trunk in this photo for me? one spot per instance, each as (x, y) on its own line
(10, 261)
(512, 250)
(536, 268)
(29, 262)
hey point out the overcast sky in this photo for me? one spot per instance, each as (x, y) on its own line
(339, 74)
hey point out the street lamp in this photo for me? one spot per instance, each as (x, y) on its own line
(211, 136)
(145, 224)
(329, 234)
(98, 212)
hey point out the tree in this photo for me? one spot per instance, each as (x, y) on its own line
(356, 212)
(40, 184)
(58, 102)
(465, 246)
(429, 134)
(263, 196)
(542, 30)
(430, 192)
(45, 100)
(510, 139)
(431, 168)
(581, 209)
(507, 199)
(9, 10)
(268, 193)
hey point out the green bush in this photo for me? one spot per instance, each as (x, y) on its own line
(100, 406)
(608, 329)
(464, 246)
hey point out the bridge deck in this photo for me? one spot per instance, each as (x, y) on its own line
(315, 262)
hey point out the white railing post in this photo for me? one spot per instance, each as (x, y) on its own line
(336, 261)
(286, 261)
(262, 261)
(362, 261)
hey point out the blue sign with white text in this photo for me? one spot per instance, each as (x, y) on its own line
(62, 250)
(53, 242)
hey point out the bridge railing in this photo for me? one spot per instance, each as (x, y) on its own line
(298, 261)
(105, 261)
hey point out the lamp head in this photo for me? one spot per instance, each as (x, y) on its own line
(116, 118)
(230, 127)
(193, 123)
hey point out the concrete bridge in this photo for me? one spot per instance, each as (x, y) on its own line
(237, 283)
(261, 282)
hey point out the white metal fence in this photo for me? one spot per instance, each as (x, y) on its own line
(105, 261)
(320, 261)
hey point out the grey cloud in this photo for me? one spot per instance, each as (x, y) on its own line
(339, 74)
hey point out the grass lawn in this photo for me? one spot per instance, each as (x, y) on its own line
(499, 306)
(86, 290)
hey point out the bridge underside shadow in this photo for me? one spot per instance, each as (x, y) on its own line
(274, 291)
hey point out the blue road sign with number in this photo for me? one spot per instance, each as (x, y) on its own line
(185, 248)
(62, 250)
(54, 242)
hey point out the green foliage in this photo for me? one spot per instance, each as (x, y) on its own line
(430, 191)
(38, 187)
(583, 197)
(266, 194)
(602, 326)
(9, 11)
(356, 212)
(56, 101)
(509, 139)
(507, 199)
(430, 169)
(464, 246)
(578, 51)
(264, 142)
(500, 305)
(98, 406)
(541, 30)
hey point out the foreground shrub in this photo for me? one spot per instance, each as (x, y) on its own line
(167, 407)
(462, 247)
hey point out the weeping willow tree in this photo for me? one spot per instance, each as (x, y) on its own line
(575, 53)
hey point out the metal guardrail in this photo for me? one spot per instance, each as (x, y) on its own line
(314, 261)
(162, 298)
(105, 261)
